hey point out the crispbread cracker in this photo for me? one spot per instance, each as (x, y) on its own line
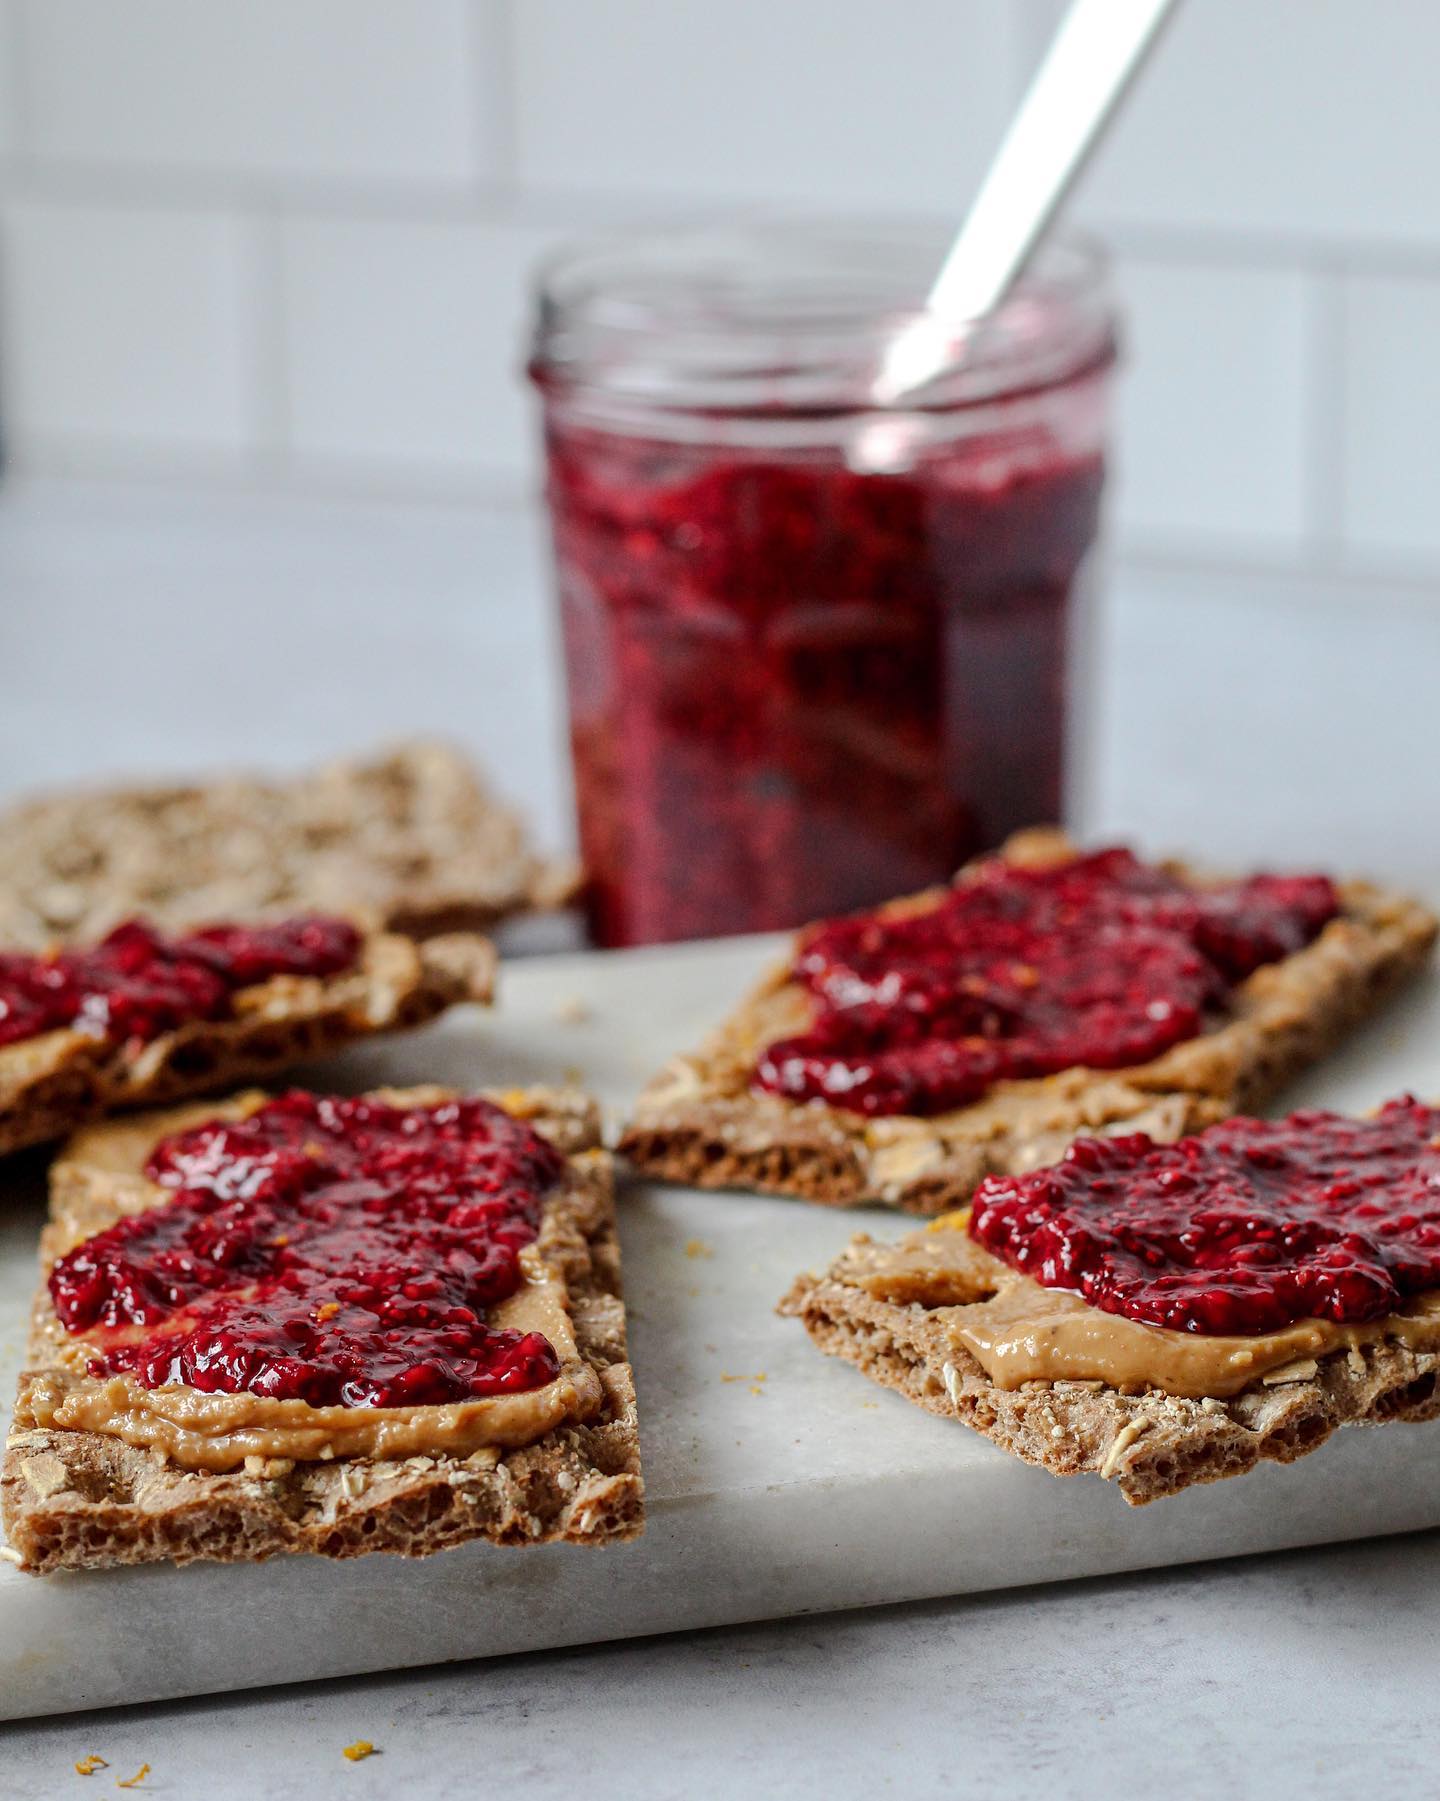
(409, 838)
(57, 1081)
(1150, 1444)
(702, 1122)
(83, 1499)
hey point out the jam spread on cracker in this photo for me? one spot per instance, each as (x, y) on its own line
(1248, 1227)
(137, 984)
(341, 1252)
(1019, 971)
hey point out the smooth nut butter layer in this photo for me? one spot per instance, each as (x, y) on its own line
(313, 1278)
(201, 1431)
(1019, 1331)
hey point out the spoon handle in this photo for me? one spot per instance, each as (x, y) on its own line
(1097, 52)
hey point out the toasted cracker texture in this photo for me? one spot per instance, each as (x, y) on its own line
(410, 838)
(703, 1123)
(890, 1310)
(80, 1500)
(51, 1084)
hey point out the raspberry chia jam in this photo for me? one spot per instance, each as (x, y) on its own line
(138, 983)
(343, 1252)
(1101, 963)
(817, 650)
(1247, 1227)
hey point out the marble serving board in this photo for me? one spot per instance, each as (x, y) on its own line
(779, 1482)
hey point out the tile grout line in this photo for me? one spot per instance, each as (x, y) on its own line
(269, 370)
(366, 480)
(493, 89)
(1323, 429)
(158, 187)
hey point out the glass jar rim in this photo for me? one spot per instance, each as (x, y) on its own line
(794, 315)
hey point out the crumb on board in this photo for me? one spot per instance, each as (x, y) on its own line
(570, 1010)
(756, 1382)
(697, 1247)
(361, 1749)
(135, 1780)
(87, 1766)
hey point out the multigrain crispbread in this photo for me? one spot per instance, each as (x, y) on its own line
(73, 1499)
(411, 838)
(58, 1080)
(892, 1310)
(701, 1121)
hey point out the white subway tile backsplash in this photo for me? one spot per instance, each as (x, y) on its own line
(404, 342)
(1316, 117)
(126, 326)
(375, 90)
(1391, 404)
(1214, 404)
(198, 197)
(1270, 720)
(844, 102)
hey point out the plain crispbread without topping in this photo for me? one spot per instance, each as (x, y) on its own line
(702, 1122)
(57, 1081)
(409, 838)
(82, 1499)
(1150, 1444)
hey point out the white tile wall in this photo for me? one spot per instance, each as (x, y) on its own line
(294, 234)
(125, 326)
(849, 102)
(376, 91)
(1284, 118)
(1213, 413)
(403, 341)
(1392, 405)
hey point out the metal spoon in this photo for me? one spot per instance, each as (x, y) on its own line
(1096, 55)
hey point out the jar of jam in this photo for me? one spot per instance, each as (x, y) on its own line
(817, 648)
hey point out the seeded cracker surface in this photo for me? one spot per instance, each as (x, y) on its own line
(701, 1122)
(410, 838)
(82, 1500)
(890, 1310)
(59, 1080)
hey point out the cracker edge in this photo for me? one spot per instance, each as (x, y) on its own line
(52, 1084)
(579, 1484)
(1151, 1445)
(523, 880)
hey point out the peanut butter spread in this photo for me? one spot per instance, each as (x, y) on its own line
(1019, 1331)
(220, 1431)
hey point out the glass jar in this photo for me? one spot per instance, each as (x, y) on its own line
(817, 650)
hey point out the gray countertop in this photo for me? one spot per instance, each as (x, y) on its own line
(1245, 715)
(1308, 1673)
